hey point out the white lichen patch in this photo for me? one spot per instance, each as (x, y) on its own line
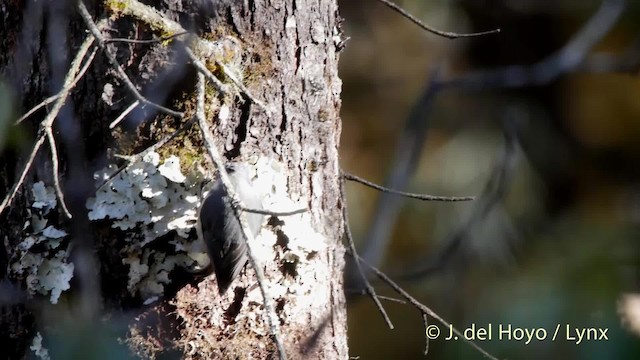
(53, 276)
(44, 197)
(149, 273)
(137, 272)
(149, 200)
(37, 348)
(304, 245)
(45, 268)
(158, 276)
(171, 170)
(42, 274)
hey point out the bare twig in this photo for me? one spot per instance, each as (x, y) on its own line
(116, 65)
(423, 308)
(362, 181)
(391, 299)
(23, 174)
(275, 213)
(202, 68)
(56, 175)
(446, 34)
(381, 297)
(369, 288)
(124, 114)
(425, 321)
(42, 104)
(246, 233)
(147, 41)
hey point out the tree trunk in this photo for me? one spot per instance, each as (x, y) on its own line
(286, 53)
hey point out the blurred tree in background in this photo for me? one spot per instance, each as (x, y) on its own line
(560, 245)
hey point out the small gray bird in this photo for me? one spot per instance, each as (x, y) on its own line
(221, 231)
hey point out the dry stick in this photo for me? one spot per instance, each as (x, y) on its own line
(237, 205)
(74, 67)
(447, 34)
(147, 41)
(352, 247)
(425, 321)
(423, 308)
(391, 299)
(116, 65)
(124, 114)
(42, 104)
(202, 68)
(382, 297)
(275, 213)
(56, 175)
(69, 82)
(46, 126)
(362, 181)
(14, 189)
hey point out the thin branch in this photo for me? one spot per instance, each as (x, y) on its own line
(148, 41)
(392, 299)
(423, 308)
(116, 65)
(23, 174)
(347, 231)
(446, 34)
(275, 213)
(362, 181)
(42, 104)
(425, 321)
(381, 297)
(124, 114)
(246, 233)
(202, 68)
(47, 123)
(56, 175)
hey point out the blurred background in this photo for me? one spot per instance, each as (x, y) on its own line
(542, 123)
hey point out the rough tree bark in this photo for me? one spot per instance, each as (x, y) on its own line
(288, 51)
